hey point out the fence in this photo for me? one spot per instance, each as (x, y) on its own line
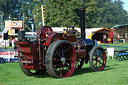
(120, 52)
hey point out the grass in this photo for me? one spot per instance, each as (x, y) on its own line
(115, 73)
(116, 44)
(9, 47)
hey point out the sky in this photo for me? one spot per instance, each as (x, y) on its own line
(125, 4)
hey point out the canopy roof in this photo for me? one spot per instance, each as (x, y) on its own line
(97, 29)
(116, 26)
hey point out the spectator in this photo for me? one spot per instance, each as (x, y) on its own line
(14, 41)
(104, 38)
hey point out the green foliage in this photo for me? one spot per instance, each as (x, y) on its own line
(91, 12)
(115, 73)
(36, 12)
(61, 13)
(9, 7)
(99, 13)
(110, 13)
(26, 8)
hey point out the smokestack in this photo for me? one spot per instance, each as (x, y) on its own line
(82, 22)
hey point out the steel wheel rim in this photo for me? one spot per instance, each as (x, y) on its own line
(99, 59)
(64, 60)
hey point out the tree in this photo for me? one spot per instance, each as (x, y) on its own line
(26, 9)
(91, 12)
(9, 7)
(36, 12)
(121, 14)
(61, 13)
(109, 13)
(99, 13)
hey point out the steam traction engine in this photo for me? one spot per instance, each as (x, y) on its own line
(58, 54)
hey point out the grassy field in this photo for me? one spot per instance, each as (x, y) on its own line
(9, 47)
(115, 73)
(116, 44)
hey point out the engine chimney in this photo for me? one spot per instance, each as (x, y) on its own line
(82, 22)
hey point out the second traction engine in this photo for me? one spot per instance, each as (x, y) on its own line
(57, 53)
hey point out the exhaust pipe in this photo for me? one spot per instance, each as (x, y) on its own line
(82, 22)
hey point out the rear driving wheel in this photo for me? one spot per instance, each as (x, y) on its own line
(60, 59)
(31, 72)
(97, 58)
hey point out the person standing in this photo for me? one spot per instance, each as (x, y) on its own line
(104, 38)
(13, 42)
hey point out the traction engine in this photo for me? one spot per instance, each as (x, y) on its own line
(57, 53)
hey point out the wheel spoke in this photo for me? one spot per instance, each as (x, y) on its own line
(58, 54)
(97, 58)
(67, 68)
(62, 60)
(68, 64)
(66, 50)
(100, 57)
(69, 59)
(66, 55)
(98, 51)
(57, 66)
(55, 59)
(100, 62)
(95, 64)
(62, 51)
(60, 72)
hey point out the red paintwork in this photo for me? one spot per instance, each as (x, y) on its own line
(81, 53)
(104, 61)
(98, 61)
(70, 56)
(72, 63)
(52, 38)
(42, 32)
(111, 34)
(30, 67)
(30, 52)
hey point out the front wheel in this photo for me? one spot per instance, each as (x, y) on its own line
(97, 58)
